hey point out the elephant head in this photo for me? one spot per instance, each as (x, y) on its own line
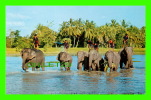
(27, 55)
(94, 59)
(63, 56)
(81, 56)
(65, 60)
(109, 58)
(82, 60)
(126, 57)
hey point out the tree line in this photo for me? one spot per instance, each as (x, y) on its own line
(78, 32)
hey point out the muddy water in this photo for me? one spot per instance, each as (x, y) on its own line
(55, 81)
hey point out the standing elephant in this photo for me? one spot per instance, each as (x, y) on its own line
(65, 60)
(113, 60)
(94, 60)
(33, 57)
(83, 60)
(126, 57)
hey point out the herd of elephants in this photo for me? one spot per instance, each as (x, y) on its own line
(88, 61)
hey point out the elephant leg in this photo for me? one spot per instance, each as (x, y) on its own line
(131, 64)
(62, 65)
(80, 66)
(116, 66)
(98, 66)
(43, 66)
(126, 64)
(93, 67)
(89, 68)
(65, 68)
(33, 68)
(86, 66)
(121, 64)
(111, 69)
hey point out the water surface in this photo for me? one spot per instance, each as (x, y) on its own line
(55, 81)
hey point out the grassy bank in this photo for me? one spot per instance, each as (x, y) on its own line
(72, 51)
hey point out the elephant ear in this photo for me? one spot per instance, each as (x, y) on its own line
(32, 53)
(58, 57)
(23, 51)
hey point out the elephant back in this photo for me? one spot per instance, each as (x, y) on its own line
(64, 56)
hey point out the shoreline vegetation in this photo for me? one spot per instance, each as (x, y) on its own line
(77, 32)
(72, 51)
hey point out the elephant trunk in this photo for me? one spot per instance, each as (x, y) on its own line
(110, 63)
(90, 62)
(24, 61)
(23, 64)
(79, 60)
(129, 57)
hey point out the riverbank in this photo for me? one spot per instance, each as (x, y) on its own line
(72, 51)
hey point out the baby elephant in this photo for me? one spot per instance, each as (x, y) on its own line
(65, 60)
(33, 57)
(113, 60)
(94, 60)
(83, 60)
(126, 57)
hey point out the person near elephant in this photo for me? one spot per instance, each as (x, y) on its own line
(83, 60)
(96, 46)
(65, 60)
(66, 45)
(111, 43)
(113, 60)
(126, 54)
(125, 40)
(94, 60)
(33, 57)
(35, 41)
(90, 44)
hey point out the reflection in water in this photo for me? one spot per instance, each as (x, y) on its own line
(54, 81)
(31, 83)
(126, 72)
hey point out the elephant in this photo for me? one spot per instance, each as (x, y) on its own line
(113, 60)
(65, 60)
(126, 57)
(83, 60)
(33, 57)
(94, 60)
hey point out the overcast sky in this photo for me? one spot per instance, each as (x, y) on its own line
(26, 18)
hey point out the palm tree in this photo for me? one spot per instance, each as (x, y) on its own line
(124, 24)
(89, 29)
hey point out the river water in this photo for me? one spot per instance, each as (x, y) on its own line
(56, 81)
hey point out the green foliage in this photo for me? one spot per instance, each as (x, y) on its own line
(46, 36)
(78, 32)
(24, 42)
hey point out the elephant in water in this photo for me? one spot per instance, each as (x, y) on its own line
(126, 57)
(83, 60)
(33, 57)
(113, 60)
(94, 60)
(65, 60)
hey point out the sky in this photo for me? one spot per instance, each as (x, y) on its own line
(26, 18)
